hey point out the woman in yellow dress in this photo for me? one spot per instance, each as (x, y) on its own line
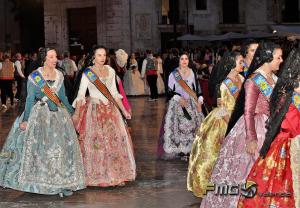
(207, 144)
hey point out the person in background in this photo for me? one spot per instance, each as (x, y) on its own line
(69, 66)
(19, 74)
(183, 115)
(149, 71)
(248, 50)
(6, 80)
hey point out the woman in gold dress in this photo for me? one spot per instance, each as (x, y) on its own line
(206, 146)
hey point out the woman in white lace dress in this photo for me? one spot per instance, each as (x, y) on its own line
(133, 84)
(159, 69)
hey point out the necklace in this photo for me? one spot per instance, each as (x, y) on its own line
(183, 71)
(46, 72)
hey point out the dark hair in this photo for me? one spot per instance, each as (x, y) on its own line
(246, 45)
(87, 62)
(220, 72)
(263, 54)
(184, 53)
(281, 97)
(6, 55)
(91, 56)
(175, 51)
(42, 55)
(148, 51)
(111, 52)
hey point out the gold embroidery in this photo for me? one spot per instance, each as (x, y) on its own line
(6, 154)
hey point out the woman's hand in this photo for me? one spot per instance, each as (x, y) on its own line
(251, 147)
(199, 107)
(126, 114)
(75, 119)
(23, 125)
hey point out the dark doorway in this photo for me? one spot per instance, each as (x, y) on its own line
(168, 41)
(230, 11)
(82, 25)
(173, 11)
(30, 15)
(290, 12)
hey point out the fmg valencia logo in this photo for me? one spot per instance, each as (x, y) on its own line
(248, 189)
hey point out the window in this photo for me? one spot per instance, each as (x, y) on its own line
(290, 11)
(231, 11)
(201, 4)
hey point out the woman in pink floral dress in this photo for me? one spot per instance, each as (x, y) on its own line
(104, 139)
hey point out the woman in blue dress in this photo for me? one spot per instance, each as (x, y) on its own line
(41, 153)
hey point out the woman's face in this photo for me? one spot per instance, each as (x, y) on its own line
(277, 59)
(239, 67)
(100, 56)
(133, 56)
(51, 59)
(184, 61)
(251, 51)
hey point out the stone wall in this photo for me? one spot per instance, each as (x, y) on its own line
(134, 24)
(205, 22)
(55, 18)
(10, 28)
(257, 15)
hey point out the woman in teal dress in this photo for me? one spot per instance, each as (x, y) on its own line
(41, 153)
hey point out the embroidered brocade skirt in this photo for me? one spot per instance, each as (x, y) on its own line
(278, 174)
(177, 132)
(234, 163)
(205, 150)
(46, 157)
(106, 145)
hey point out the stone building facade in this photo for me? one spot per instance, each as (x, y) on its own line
(141, 24)
(10, 28)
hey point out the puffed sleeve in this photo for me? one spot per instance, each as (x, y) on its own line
(30, 99)
(251, 96)
(171, 89)
(82, 90)
(222, 112)
(222, 98)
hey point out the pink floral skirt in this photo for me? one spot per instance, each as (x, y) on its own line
(106, 145)
(234, 163)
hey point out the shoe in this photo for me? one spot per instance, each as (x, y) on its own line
(151, 100)
(65, 193)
